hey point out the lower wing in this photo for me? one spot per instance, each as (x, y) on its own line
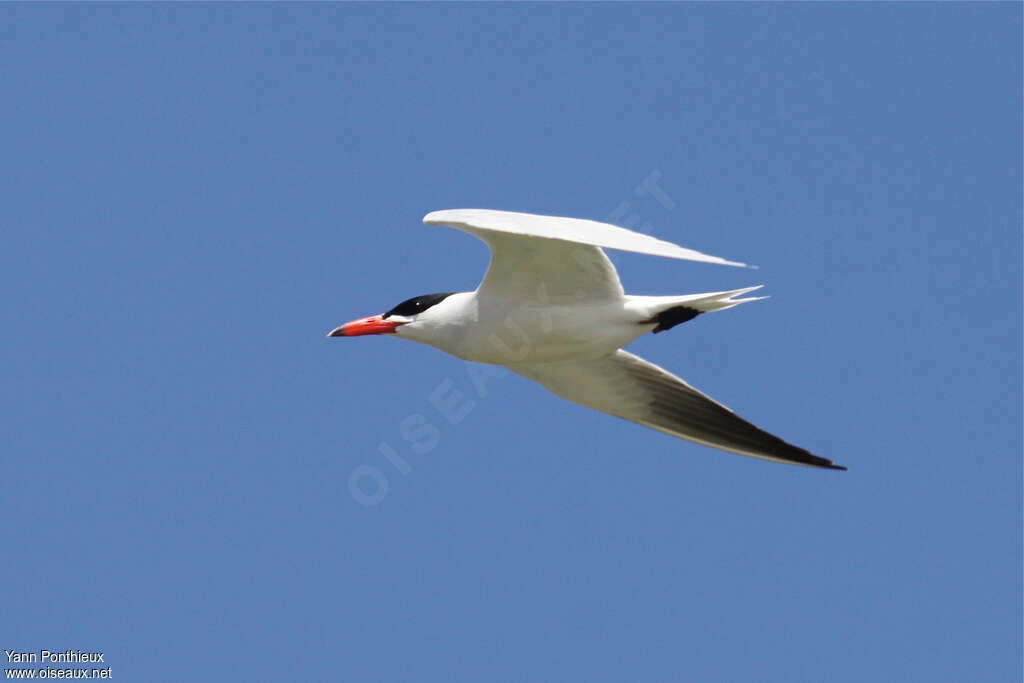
(629, 387)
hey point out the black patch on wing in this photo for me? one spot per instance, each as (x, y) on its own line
(684, 409)
(677, 315)
(417, 304)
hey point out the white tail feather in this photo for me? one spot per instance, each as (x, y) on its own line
(649, 306)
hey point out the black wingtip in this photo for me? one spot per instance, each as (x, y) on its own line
(816, 461)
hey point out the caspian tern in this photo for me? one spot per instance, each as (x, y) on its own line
(551, 308)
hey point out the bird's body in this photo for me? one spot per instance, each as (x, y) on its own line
(551, 308)
(487, 329)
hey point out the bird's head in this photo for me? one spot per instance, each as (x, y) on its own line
(411, 312)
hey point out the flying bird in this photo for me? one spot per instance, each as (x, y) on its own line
(551, 308)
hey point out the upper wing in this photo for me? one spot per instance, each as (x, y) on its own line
(554, 259)
(629, 387)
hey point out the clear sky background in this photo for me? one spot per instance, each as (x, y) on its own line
(194, 194)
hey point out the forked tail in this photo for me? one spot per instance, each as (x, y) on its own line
(665, 312)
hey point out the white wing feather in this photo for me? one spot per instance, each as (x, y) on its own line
(578, 230)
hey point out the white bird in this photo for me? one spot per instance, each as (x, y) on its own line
(551, 308)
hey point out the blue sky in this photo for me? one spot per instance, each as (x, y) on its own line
(194, 194)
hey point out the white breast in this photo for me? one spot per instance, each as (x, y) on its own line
(494, 330)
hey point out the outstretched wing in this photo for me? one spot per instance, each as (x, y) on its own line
(629, 387)
(554, 259)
